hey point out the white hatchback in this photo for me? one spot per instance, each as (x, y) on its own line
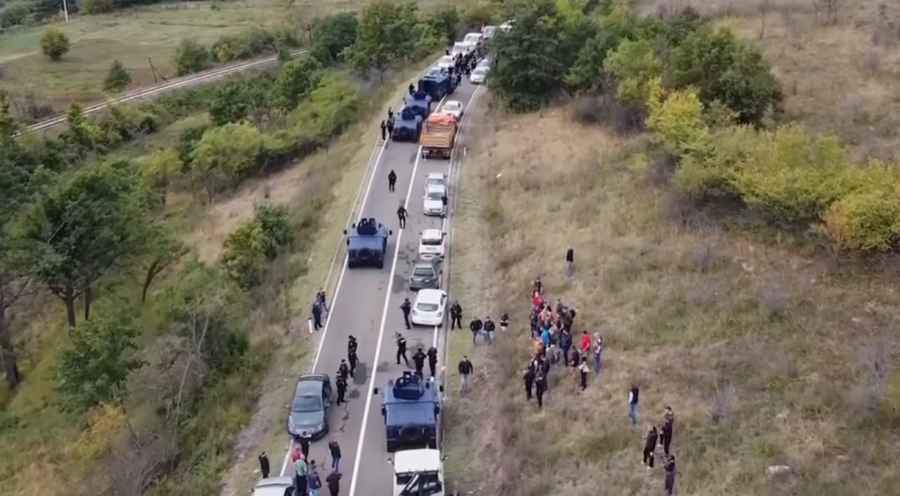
(431, 244)
(428, 309)
(433, 202)
(454, 108)
(479, 75)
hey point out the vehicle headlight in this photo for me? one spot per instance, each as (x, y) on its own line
(321, 426)
(440, 314)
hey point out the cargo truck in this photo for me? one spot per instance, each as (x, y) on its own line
(438, 135)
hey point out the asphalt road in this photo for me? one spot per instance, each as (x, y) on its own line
(367, 306)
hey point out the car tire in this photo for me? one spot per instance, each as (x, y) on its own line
(391, 446)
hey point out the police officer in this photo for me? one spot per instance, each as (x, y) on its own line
(419, 361)
(529, 381)
(341, 384)
(401, 349)
(383, 130)
(455, 316)
(432, 360)
(401, 215)
(405, 307)
(444, 201)
(343, 370)
(390, 114)
(317, 315)
(390, 126)
(392, 180)
(351, 355)
(412, 89)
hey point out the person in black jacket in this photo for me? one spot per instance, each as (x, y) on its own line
(401, 349)
(335, 449)
(465, 371)
(668, 428)
(264, 465)
(633, 396)
(489, 328)
(401, 215)
(670, 475)
(504, 322)
(341, 385)
(650, 446)
(383, 130)
(529, 382)
(476, 327)
(343, 370)
(419, 361)
(540, 386)
(570, 263)
(455, 316)
(392, 180)
(406, 307)
(432, 360)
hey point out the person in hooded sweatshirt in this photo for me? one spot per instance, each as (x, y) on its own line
(650, 446)
(670, 475)
(668, 428)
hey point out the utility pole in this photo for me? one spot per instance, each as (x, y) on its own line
(66, 10)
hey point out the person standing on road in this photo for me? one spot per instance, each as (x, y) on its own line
(444, 201)
(351, 355)
(317, 316)
(419, 361)
(392, 180)
(401, 349)
(455, 316)
(504, 322)
(432, 360)
(406, 307)
(668, 428)
(343, 370)
(390, 114)
(465, 370)
(383, 131)
(489, 328)
(335, 449)
(650, 446)
(334, 483)
(476, 327)
(401, 215)
(633, 397)
(341, 385)
(670, 475)
(390, 127)
(304, 444)
(570, 263)
(300, 480)
(411, 89)
(315, 483)
(264, 465)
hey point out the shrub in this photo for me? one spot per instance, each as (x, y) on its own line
(296, 79)
(249, 248)
(863, 221)
(226, 155)
(117, 79)
(244, 45)
(54, 43)
(92, 7)
(712, 176)
(634, 64)
(677, 121)
(190, 57)
(14, 13)
(332, 35)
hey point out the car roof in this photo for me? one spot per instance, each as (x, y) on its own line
(432, 234)
(308, 388)
(314, 377)
(455, 103)
(417, 460)
(272, 486)
(436, 175)
(429, 296)
(425, 263)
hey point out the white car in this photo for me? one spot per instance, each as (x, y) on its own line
(485, 62)
(479, 75)
(435, 178)
(428, 309)
(460, 47)
(433, 204)
(454, 108)
(431, 244)
(473, 39)
(274, 486)
(488, 31)
(445, 62)
(418, 469)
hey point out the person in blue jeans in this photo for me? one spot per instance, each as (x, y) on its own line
(633, 397)
(335, 450)
(670, 475)
(314, 482)
(598, 352)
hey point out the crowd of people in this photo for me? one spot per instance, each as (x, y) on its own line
(554, 348)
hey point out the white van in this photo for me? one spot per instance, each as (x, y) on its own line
(419, 469)
(460, 47)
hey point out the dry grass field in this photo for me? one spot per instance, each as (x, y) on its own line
(768, 357)
(837, 60)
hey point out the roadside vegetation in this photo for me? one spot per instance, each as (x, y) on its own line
(138, 323)
(735, 249)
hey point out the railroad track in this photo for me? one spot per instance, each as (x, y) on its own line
(155, 91)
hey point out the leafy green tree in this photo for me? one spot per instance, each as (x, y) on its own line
(528, 67)
(296, 79)
(88, 223)
(634, 64)
(386, 34)
(93, 368)
(331, 107)
(54, 43)
(249, 248)
(191, 57)
(445, 22)
(619, 23)
(332, 35)
(14, 13)
(160, 168)
(726, 69)
(80, 130)
(226, 155)
(231, 103)
(117, 79)
(163, 251)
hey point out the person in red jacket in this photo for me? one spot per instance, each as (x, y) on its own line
(296, 454)
(585, 343)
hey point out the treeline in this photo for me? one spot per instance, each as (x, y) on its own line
(713, 107)
(175, 367)
(19, 12)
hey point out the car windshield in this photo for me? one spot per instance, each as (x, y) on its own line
(427, 307)
(432, 180)
(432, 242)
(478, 72)
(434, 195)
(423, 271)
(452, 106)
(307, 403)
(471, 38)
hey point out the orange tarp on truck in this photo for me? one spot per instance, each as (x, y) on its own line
(439, 131)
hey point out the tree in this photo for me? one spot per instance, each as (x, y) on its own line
(54, 43)
(528, 67)
(634, 64)
(117, 79)
(385, 35)
(446, 22)
(332, 35)
(164, 250)
(191, 57)
(225, 155)
(296, 79)
(160, 168)
(619, 23)
(231, 103)
(88, 223)
(93, 367)
(726, 69)
(677, 122)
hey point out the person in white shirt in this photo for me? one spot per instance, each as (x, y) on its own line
(583, 372)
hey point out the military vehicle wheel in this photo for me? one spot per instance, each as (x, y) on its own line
(432, 444)
(392, 446)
